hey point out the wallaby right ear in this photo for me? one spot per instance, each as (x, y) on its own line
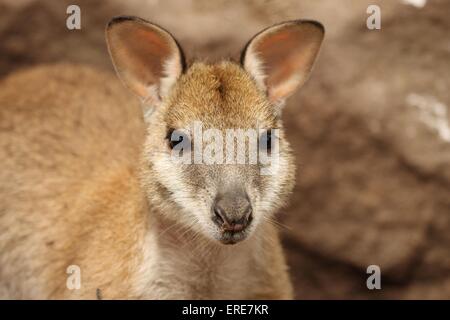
(281, 57)
(146, 57)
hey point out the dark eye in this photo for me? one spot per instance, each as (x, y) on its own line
(266, 140)
(175, 137)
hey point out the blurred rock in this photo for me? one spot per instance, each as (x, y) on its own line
(373, 182)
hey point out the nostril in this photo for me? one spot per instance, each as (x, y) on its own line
(218, 216)
(232, 213)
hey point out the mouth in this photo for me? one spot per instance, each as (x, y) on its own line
(232, 237)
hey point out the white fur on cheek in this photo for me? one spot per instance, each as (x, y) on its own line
(170, 175)
(270, 198)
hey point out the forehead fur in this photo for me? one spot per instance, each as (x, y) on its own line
(220, 95)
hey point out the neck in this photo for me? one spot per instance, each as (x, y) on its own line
(185, 262)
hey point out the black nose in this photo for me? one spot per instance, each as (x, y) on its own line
(232, 211)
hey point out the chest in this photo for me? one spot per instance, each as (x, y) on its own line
(177, 272)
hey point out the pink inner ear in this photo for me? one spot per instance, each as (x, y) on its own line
(281, 54)
(140, 53)
(287, 55)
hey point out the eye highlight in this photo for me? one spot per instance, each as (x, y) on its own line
(175, 137)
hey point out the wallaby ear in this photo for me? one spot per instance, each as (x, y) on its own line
(281, 57)
(146, 57)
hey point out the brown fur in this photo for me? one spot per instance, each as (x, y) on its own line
(86, 180)
(70, 194)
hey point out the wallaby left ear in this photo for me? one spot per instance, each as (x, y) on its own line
(281, 57)
(146, 57)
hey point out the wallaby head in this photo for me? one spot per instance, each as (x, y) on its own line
(200, 166)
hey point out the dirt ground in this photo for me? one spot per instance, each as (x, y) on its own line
(370, 129)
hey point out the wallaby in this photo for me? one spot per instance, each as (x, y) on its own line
(92, 205)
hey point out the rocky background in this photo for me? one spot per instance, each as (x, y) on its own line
(370, 129)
